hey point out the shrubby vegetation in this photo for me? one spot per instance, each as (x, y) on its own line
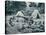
(18, 24)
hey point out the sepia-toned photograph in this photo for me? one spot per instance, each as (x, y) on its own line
(24, 17)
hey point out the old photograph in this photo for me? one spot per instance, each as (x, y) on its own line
(24, 17)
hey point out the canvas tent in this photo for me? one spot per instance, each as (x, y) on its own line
(19, 13)
(36, 14)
